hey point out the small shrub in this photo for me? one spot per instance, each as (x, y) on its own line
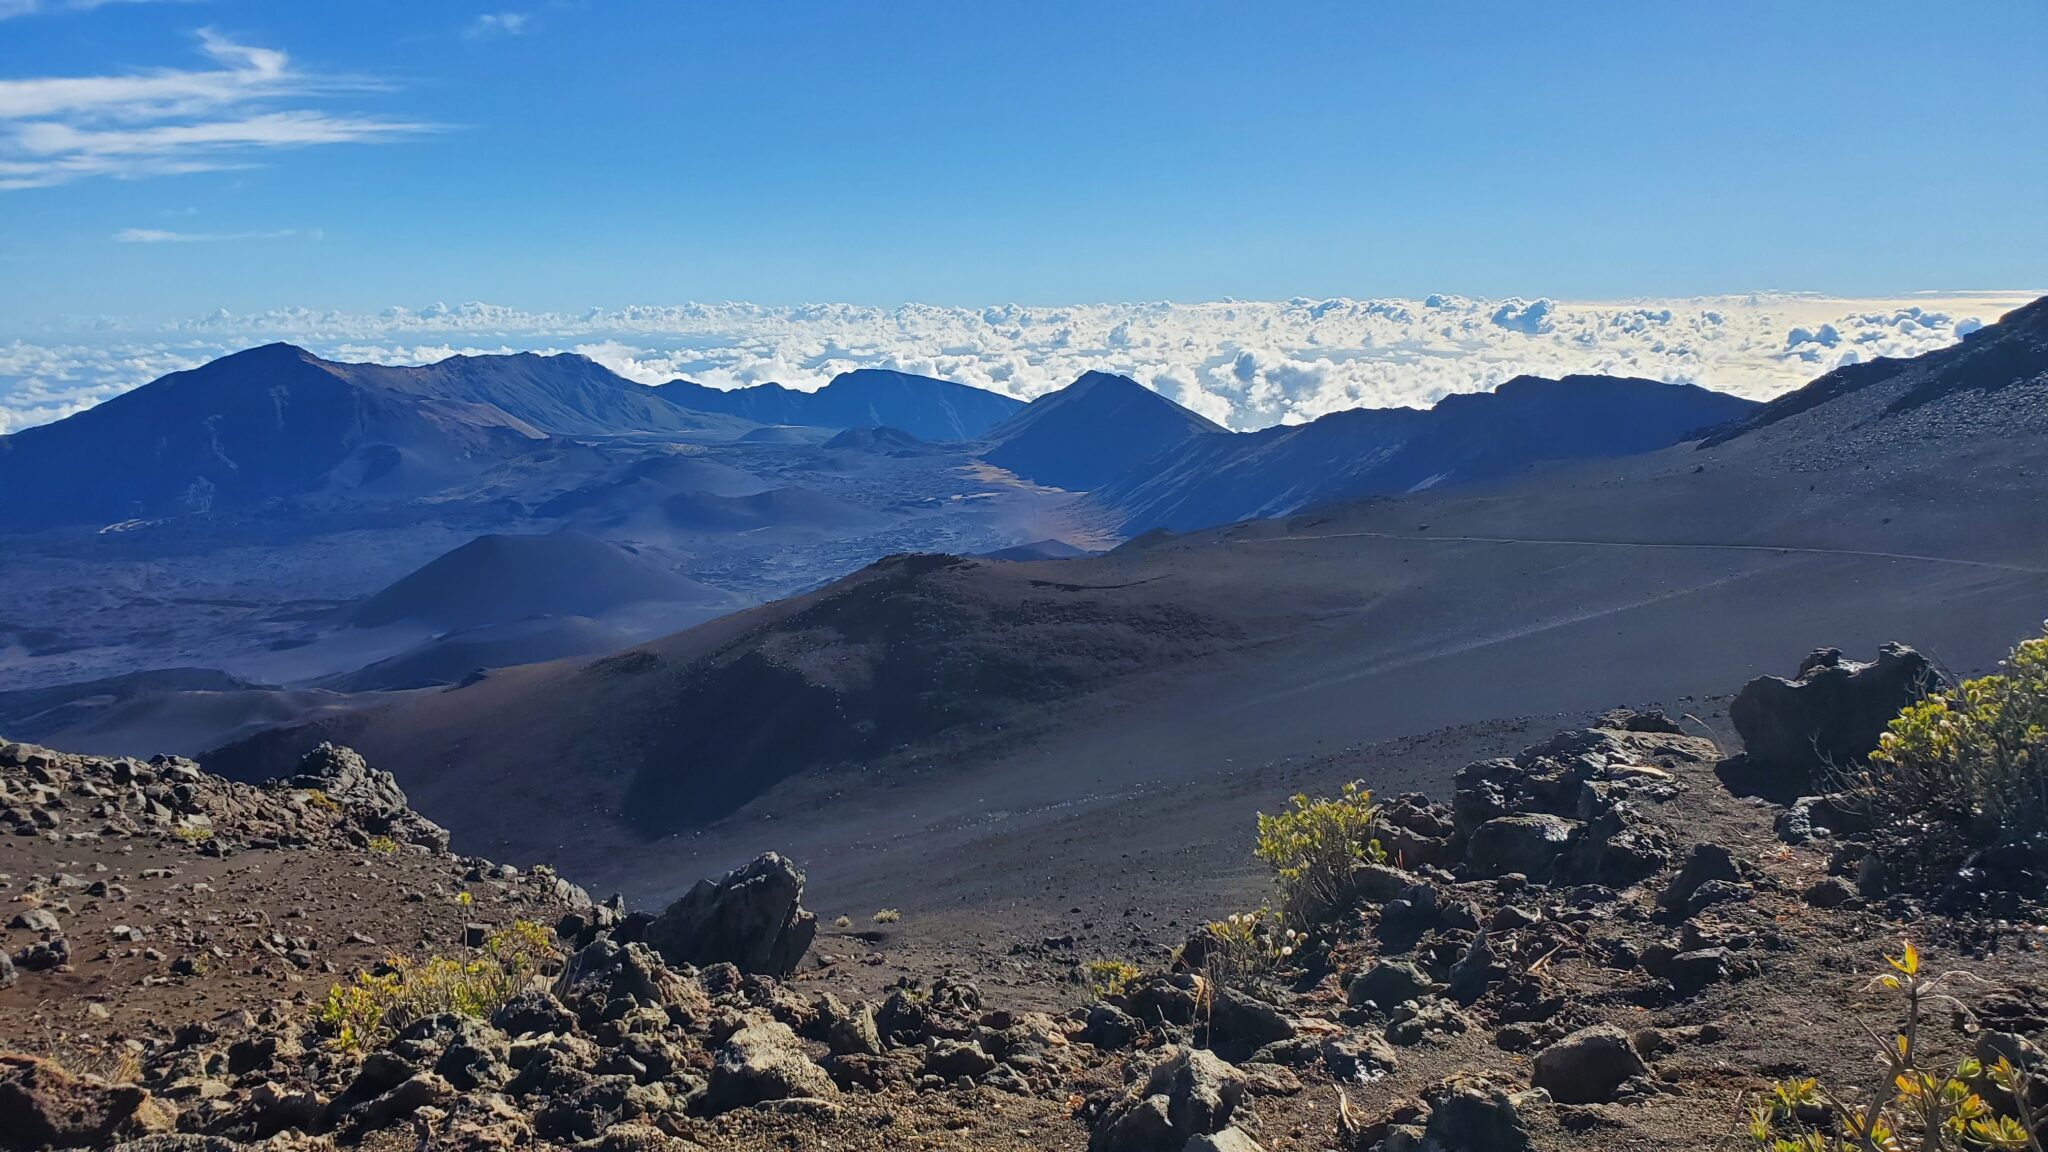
(888, 916)
(363, 1014)
(464, 899)
(193, 833)
(1974, 759)
(1312, 847)
(381, 845)
(1110, 977)
(843, 923)
(1912, 1108)
(1243, 950)
(315, 798)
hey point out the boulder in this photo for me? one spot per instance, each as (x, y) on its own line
(44, 1106)
(1473, 1112)
(1187, 1093)
(1388, 984)
(753, 919)
(763, 1061)
(1587, 1067)
(1831, 714)
(1708, 861)
(1529, 843)
(1228, 1140)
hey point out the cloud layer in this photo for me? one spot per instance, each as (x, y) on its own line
(1246, 364)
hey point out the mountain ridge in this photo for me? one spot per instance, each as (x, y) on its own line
(927, 407)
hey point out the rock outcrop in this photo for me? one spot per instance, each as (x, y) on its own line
(753, 919)
(1829, 715)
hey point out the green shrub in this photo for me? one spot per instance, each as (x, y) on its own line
(1974, 759)
(1110, 977)
(371, 1008)
(1313, 846)
(1912, 1108)
(381, 845)
(1242, 950)
(888, 916)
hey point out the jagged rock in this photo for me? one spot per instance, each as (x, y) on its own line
(1243, 1023)
(370, 795)
(1417, 1019)
(1588, 1066)
(1389, 984)
(1717, 892)
(1830, 892)
(1380, 883)
(1359, 1058)
(1110, 1028)
(1472, 1112)
(34, 920)
(1529, 843)
(1708, 861)
(952, 1059)
(1269, 1080)
(753, 918)
(7, 974)
(44, 1106)
(760, 1062)
(1691, 971)
(849, 1031)
(1187, 1093)
(533, 1011)
(1228, 1140)
(1830, 715)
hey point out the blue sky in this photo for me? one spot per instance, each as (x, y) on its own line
(165, 158)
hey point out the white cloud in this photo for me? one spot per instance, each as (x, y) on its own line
(1245, 364)
(161, 236)
(58, 129)
(501, 24)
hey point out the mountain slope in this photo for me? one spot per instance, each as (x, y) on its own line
(277, 422)
(563, 395)
(932, 699)
(927, 408)
(500, 578)
(1462, 440)
(1091, 432)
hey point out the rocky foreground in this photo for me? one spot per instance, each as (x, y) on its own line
(1606, 941)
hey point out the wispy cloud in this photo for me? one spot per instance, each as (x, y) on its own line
(501, 24)
(55, 130)
(162, 236)
(9, 9)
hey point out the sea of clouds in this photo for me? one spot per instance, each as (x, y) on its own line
(1245, 364)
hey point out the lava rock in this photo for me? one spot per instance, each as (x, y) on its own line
(1588, 1067)
(753, 918)
(1529, 843)
(1831, 714)
(763, 1061)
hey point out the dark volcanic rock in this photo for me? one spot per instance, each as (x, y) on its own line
(1831, 714)
(753, 919)
(1588, 1066)
(43, 1106)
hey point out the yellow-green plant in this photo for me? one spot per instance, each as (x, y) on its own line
(888, 916)
(1243, 949)
(381, 845)
(1975, 758)
(315, 798)
(193, 833)
(1914, 1108)
(1110, 977)
(1312, 847)
(372, 1007)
